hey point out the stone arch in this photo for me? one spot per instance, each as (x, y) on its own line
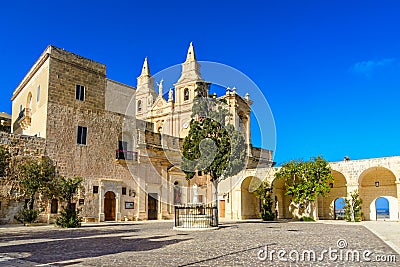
(338, 206)
(250, 204)
(377, 182)
(393, 209)
(29, 102)
(281, 199)
(326, 205)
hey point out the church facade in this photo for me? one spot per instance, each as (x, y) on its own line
(126, 142)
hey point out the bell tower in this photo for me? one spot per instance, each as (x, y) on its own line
(188, 83)
(145, 93)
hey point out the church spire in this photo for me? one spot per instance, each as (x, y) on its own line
(145, 68)
(145, 82)
(190, 68)
(191, 56)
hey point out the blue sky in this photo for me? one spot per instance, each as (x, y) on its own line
(330, 70)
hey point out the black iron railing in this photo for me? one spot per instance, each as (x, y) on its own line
(26, 112)
(125, 155)
(197, 216)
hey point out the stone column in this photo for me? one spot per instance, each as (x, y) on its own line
(117, 207)
(101, 203)
(398, 195)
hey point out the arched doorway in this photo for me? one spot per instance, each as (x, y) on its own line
(327, 205)
(282, 201)
(339, 208)
(382, 208)
(374, 183)
(250, 204)
(109, 206)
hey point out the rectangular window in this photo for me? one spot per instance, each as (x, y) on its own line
(123, 190)
(95, 189)
(80, 92)
(82, 135)
(199, 173)
(38, 94)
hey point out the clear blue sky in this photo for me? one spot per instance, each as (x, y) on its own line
(330, 70)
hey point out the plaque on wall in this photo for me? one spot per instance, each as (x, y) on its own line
(129, 205)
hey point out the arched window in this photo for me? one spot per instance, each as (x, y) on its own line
(38, 94)
(139, 106)
(177, 193)
(29, 101)
(186, 94)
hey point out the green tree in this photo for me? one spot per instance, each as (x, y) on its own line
(212, 145)
(264, 193)
(67, 189)
(306, 180)
(37, 176)
(353, 208)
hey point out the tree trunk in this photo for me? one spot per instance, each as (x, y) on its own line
(215, 198)
(31, 202)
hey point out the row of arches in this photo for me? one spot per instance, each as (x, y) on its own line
(377, 188)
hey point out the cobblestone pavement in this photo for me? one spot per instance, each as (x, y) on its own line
(156, 244)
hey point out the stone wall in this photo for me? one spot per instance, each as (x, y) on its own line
(18, 146)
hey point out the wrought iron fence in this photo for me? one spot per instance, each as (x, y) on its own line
(196, 216)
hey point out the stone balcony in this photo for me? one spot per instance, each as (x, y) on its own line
(24, 118)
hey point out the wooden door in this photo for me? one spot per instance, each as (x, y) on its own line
(222, 208)
(109, 206)
(152, 206)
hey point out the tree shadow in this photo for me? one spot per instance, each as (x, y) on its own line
(57, 233)
(52, 252)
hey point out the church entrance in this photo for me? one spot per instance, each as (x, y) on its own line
(152, 204)
(109, 206)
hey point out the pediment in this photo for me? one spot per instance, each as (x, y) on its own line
(159, 103)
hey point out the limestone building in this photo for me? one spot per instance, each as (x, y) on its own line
(124, 141)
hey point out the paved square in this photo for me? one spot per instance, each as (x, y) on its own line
(156, 244)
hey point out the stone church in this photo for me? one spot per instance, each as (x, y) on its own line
(125, 142)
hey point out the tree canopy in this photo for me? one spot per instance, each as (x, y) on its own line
(212, 145)
(306, 180)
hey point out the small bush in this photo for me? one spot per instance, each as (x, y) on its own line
(353, 208)
(27, 216)
(307, 219)
(266, 213)
(69, 218)
(264, 192)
